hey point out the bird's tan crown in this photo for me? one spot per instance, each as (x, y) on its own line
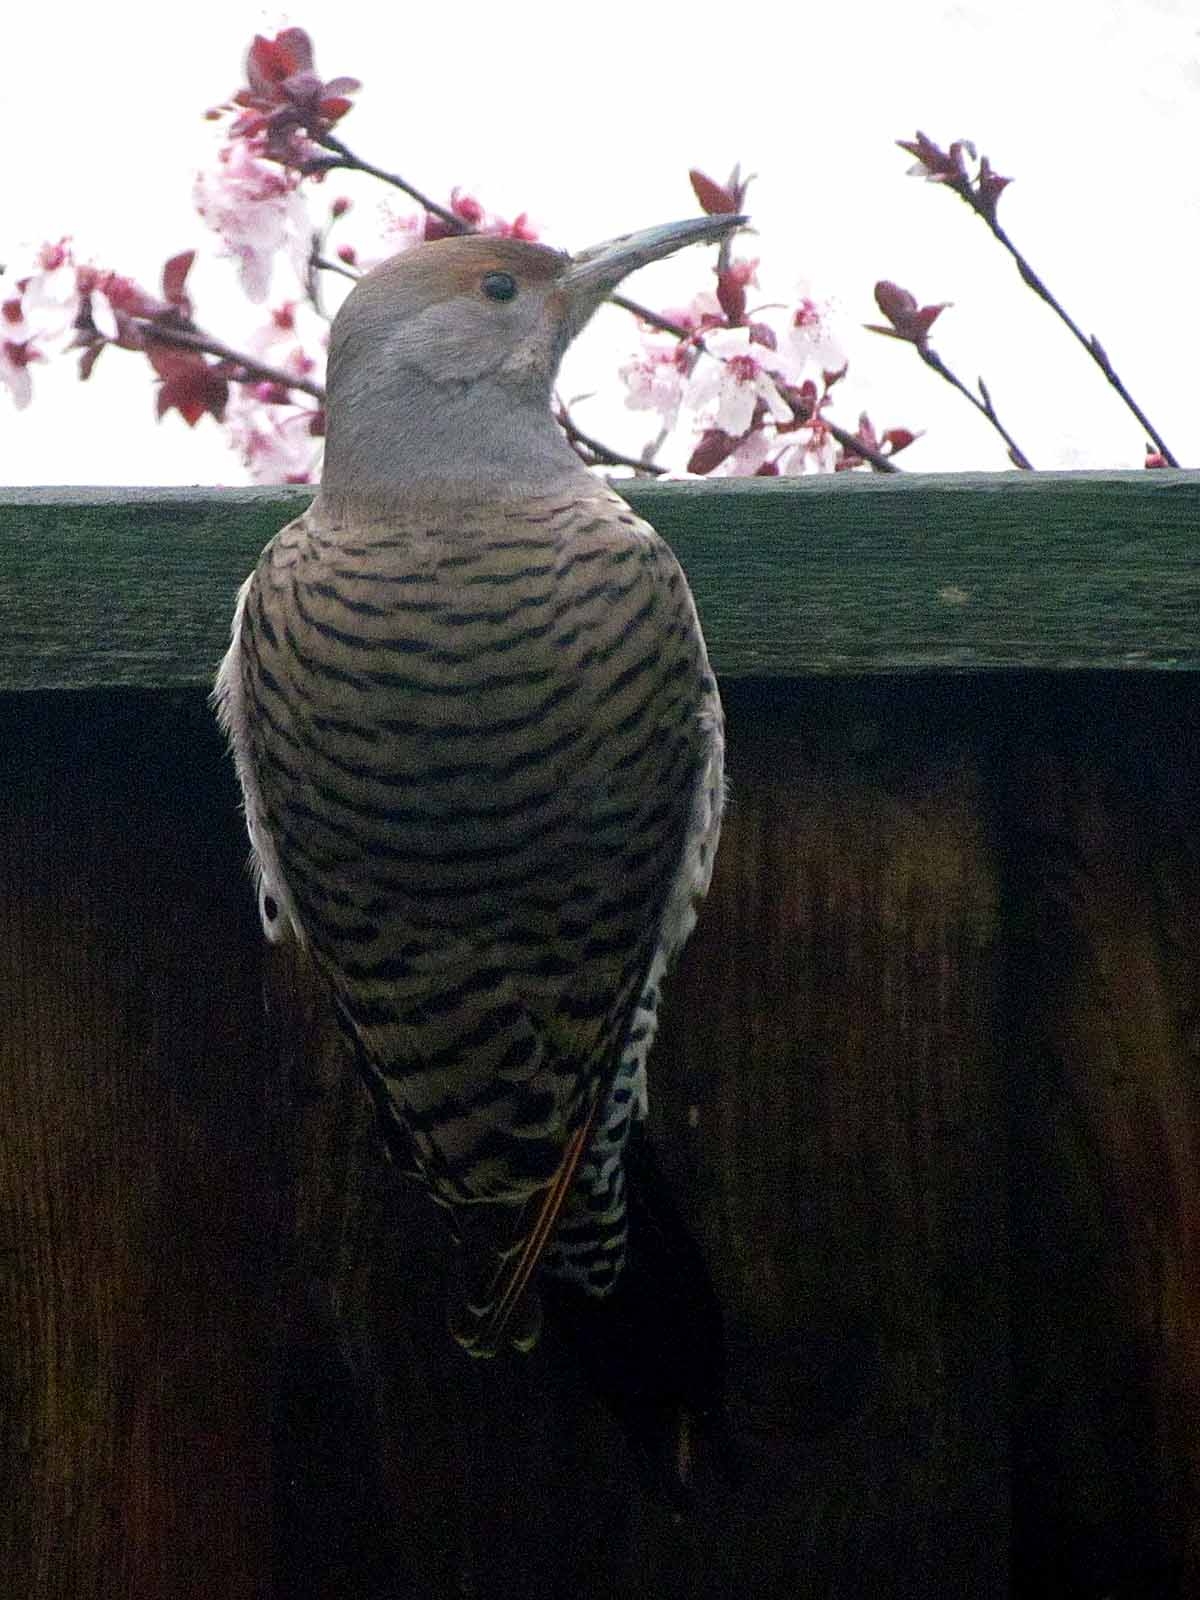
(444, 268)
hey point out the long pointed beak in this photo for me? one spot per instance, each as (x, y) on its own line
(595, 272)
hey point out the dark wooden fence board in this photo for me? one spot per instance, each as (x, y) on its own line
(927, 1082)
(138, 1162)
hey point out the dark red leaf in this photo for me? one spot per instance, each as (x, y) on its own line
(715, 199)
(172, 363)
(899, 439)
(713, 448)
(298, 47)
(910, 322)
(174, 276)
(266, 65)
(334, 107)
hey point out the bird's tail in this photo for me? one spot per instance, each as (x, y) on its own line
(653, 1347)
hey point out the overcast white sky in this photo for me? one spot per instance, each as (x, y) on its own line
(590, 117)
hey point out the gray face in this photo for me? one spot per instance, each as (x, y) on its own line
(439, 386)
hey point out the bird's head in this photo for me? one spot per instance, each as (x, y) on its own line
(442, 360)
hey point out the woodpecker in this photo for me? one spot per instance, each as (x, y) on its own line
(480, 748)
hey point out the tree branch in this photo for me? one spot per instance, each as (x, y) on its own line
(984, 406)
(982, 193)
(852, 443)
(194, 339)
(348, 159)
(354, 163)
(601, 454)
(1092, 345)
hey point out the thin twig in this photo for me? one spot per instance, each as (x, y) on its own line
(602, 454)
(355, 163)
(194, 339)
(851, 442)
(348, 159)
(984, 406)
(982, 195)
(1092, 345)
(326, 265)
(664, 324)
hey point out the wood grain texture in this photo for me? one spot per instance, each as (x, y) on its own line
(1102, 801)
(845, 575)
(138, 1166)
(927, 1085)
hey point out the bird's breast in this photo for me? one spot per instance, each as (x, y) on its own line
(464, 722)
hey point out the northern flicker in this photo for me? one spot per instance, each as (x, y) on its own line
(480, 749)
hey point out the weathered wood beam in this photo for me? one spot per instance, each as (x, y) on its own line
(848, 576)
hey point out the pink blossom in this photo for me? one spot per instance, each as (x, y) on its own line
(14, 370)
(733, 381)
(288, 338)
(277, 443)
(37, 316)
(50, 301)
(814, 450)
(808, 339)
(257, 209)
(655, 379)
(104, 318)
(401, 232)
(748, 456)
(472, 214)
(702, 311)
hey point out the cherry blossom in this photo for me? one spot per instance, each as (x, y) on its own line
(656, 379)
(738, 387)
(814, 450)
(257, 209)
(471, 211)
(734, 381)
(50, 300)
(15, 356)
(278, 442)
(37, 316)
(809, 339)
(749, 456)
(293, 338)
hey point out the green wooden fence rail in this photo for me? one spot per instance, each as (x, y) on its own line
(105, 588)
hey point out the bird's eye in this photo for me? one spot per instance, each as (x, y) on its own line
(499, 285)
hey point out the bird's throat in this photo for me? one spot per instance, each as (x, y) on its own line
(473, 443)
